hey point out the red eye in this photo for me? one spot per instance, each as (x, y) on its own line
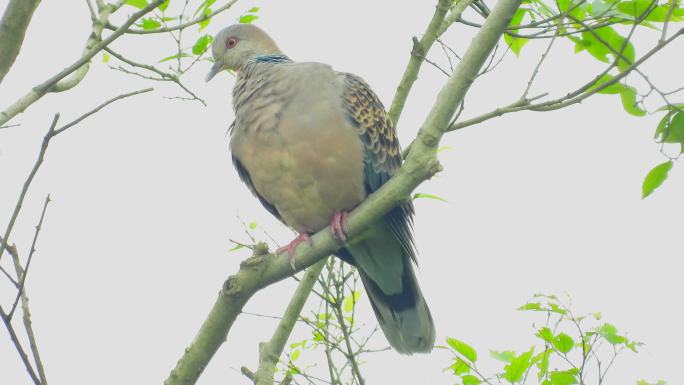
(230, 43)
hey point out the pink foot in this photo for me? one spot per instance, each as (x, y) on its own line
(290, 248)
(338, 225)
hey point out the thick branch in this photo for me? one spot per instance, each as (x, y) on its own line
(40, 90)
(269, 352)
(420, 49)
(13, 27)
(264, 269)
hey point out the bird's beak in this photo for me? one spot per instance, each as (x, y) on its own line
(216, 68)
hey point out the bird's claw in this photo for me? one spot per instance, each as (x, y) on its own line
(339, 226)
(290, 248)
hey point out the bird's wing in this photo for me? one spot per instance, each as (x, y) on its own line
(382, 151)
(244, 176)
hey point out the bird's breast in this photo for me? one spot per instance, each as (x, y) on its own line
(302, 156)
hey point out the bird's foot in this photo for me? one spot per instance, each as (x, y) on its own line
(338, 225)
(290, 248)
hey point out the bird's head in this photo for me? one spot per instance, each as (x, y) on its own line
(234, 46)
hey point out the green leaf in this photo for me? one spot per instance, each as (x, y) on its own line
(318, 336)
(176, 56)
(653, 180)
(563, 342)
(202, 44)
(557, 309)
(149, 23)
(459, 367)
(295, 354)
(466, 350)
(516, 369)
(350, 301)
(532, 306)
(505, 356)
(248, 18)
(204, 23)
(671, 128)
(545, 334)
(469, 379)
(543, 364)
(140, 4)
(105, 57)
(637, 9)
(236, 247)
(565, 377)
(627, 94)
(516, 43)
(428, 196)
(203, 7)
(253, 10)
(644, 382)
(162, 7)
(609, 333)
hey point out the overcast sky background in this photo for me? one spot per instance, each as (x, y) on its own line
(134, 245)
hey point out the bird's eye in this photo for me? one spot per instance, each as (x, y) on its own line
(230, 43)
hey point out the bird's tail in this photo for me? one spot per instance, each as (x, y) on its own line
(388, 277)
(404, 318)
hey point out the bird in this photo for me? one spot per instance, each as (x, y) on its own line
(311, 143)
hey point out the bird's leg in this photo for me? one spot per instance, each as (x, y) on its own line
(338, 225)
(290, 248)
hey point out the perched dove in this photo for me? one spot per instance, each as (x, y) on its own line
(311, 143)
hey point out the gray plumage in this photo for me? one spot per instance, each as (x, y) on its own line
(310, 142)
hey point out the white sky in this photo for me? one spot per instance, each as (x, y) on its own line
(134, 246)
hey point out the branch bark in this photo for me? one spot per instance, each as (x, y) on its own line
(15, 21)
(264, 269)
(40, 90)
(269, 352)
(420, 49)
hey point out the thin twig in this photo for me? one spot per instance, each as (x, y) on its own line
(539, 64)
(179, 26)
(164, 76)
(40, 90)
(24, 271)
(27, 183)
(17, 345)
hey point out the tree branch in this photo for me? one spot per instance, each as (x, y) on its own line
(40, 90)
(15, 21)
(264, 269)
(17, 344)
(420, 49)
(52, 132)
(269, 352)
(179, 26)
(23, 272)
(163, 75)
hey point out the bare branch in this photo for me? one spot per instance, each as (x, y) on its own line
(420, 49)
(52, 132)
(23, 272)
(40, 90)
(27, 183)
(17, 345)
(164, 75)
(98, 108)
(15, 21)
(269, 352)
